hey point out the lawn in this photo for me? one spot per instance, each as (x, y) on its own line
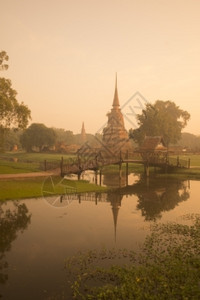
(22, 162)
(11, 167)
(37, 187)
(194, 159)
(35, 157)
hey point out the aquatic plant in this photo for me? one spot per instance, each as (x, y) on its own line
(167, 266)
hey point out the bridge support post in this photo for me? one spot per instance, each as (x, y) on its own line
(166, 167)
(120, 173)
(96, 173)
(96, 201)
(79, 175)
(126, 173)
(61, 167)
(177, 161)
(45, 165)
(188, 163)
(146, 169)
(100, 175)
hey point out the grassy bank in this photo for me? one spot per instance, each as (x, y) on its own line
(37, 157)
(37, 187)
(22, 162)
(11, 167)
(184, 174)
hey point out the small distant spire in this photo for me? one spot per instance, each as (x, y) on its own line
(83, 128)
(83, 133)
(116, 98)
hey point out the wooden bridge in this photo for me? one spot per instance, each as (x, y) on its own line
(96, 161)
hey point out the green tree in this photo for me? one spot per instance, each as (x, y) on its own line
(164, 118)
(190, 141)
(3, 57)
(12, 113)
(13, 139)
(64, 136)
(37, 135)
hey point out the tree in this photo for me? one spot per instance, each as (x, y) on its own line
(39, 136)
(190, 141)
(12, 113)
(64, 136)
(3, 57)
(12, 139)
(164, 119)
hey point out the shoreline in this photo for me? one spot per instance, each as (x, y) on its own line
(30, 185)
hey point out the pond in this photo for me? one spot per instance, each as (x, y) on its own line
(37, 235)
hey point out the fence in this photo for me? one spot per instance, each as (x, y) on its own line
(178, 162)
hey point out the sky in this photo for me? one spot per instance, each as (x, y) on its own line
(63, 57)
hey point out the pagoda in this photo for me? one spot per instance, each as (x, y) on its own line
(115, 137)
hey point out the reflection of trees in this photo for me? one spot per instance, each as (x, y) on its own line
(158, 196)
(12, 221)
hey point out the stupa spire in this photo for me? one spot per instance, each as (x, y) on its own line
(115, 210)
(116, 98)
(83, 133)
(83, 129)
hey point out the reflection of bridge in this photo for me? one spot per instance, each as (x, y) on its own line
(154, 197)
(113, 198)
(95, 161)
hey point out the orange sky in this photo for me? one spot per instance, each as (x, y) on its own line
(64, 55)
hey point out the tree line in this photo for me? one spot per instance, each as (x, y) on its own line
(44, 140)
(163, 118)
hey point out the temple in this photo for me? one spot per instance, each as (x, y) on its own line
(115, 137)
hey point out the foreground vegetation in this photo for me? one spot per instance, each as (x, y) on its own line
(166, 267)
(39, 186)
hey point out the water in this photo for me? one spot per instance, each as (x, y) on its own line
(36, 235)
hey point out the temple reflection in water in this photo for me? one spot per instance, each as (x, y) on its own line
(153, 197)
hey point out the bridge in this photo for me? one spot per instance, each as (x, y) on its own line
(96, 161)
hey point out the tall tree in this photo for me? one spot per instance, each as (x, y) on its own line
(3, 57)
(12, 139)
(12, 113)
(64, 136)
(164, 118)
(37, 135)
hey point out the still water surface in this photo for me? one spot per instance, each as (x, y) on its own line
(38, 234)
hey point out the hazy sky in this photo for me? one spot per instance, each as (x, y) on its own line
(64, 55)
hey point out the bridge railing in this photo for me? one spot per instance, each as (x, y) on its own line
(179, 162)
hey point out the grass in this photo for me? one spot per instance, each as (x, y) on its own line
(194, 159)
(166, 267)
(135, 168)
(183, 174)
(34, 187)
(9, 167)
(22, 162)
(25, 188)
(36, 157)
(33, 162)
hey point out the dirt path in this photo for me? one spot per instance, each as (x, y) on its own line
(30, 175)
